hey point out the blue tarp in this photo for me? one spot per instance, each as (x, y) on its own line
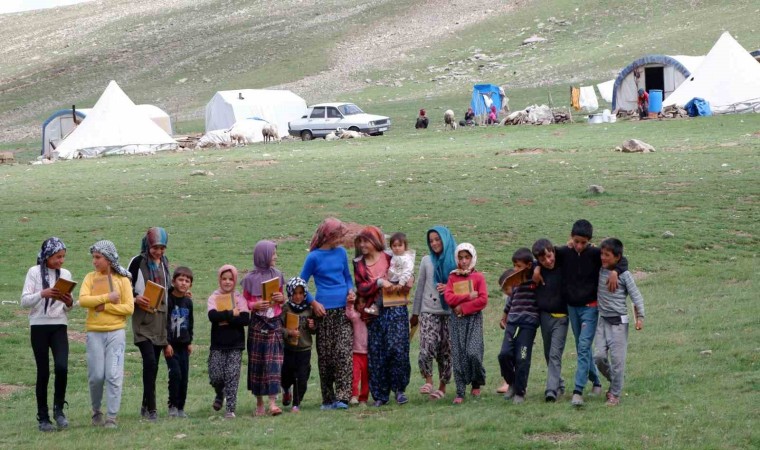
(698, 107)
(478, 103)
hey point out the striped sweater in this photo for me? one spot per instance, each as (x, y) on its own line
(521, 307)
(612, 304)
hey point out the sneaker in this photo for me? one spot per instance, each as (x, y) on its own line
(44, 425)
(143, 412)
(510, 393)
(550, 397)
(97, 419)
(560, 391)
(173, 412)
(218, 403)
(295, 409)
(379, 403)
(181, 414)
(340, 405)
(327, 406)
(110, 423)
(612, 400)
(60, 418)
(596, 390)
(153, 416)
(518, 399)
(229, 415)
(401, 398)
(354, 400)
(287, 397)
(577, 400)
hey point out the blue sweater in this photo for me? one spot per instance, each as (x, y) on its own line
(331, 276)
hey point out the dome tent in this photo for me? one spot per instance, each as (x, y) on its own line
(661, 72)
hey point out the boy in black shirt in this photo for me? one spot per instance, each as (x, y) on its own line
(180, 338)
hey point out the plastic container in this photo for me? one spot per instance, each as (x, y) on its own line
(655, 101)
(606, 116)
(595, 118)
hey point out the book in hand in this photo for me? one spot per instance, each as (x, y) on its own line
(268, 288)
(462, 287)
(224, 302)
(101, 285)
(154, 293)
(393, 298)
(64, 286)
(291, 323)
(512, 278)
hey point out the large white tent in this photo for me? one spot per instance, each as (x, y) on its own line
(275, 106)
(114, 126)
(728, 78)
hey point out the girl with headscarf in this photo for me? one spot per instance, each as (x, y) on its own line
(265, 346)
(228, 324)
(107, 294)
(467, 295)
(327, 262)
(149, 325)
(493, 117)
(48, 320)
(431, 313)
(388, 333)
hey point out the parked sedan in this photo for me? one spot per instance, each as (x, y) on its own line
(323, 118)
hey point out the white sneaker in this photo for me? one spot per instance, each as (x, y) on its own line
(354, 401)
(577, 400)
(596, 390)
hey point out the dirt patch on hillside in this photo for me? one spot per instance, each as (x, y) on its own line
(6, 390)
(553, 437)
(76, 336)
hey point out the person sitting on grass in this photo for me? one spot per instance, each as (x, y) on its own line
(422, 120)
(612, 330)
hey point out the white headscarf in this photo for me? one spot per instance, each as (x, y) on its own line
(466, 246)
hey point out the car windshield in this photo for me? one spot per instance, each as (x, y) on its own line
(349, 109)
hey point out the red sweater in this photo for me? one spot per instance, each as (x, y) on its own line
(469, 306)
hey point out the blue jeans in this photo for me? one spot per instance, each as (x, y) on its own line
(583, 322)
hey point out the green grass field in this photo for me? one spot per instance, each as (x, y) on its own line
(499, 188)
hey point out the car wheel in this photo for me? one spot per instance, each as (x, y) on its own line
(306, 135)
(354, 129)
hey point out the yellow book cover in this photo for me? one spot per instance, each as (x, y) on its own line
(393, 298)
(101, 285)
(268, 288)
(462, 287)
(64, 286)
(154, 293)
(291, 323)
(223, 302)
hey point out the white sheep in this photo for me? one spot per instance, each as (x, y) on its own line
(350, 134)
(215, 138)
(449, 120)
(331, 136)
(270, 132)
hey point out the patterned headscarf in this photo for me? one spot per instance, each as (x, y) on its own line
(154, 236)
(466, 246)
(290, 288)
(108, 250)
(373, 235)
(330, 229)
(446, 261)
(50, 247)
(262, 268)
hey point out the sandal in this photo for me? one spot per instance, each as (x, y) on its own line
(458, 401)
(275, 411)
(503, 388)
(259, 412)
(437, 394)
(475, 392)
(426, 389)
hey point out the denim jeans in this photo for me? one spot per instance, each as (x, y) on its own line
(583, 322)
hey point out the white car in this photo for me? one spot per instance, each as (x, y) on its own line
(323, 118)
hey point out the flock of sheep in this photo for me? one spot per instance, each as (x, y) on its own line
(242, 133)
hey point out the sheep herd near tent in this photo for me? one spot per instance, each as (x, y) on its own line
(725, 80)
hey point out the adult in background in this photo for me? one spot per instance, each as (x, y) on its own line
(327, 262)
(431, 313)
(643, 103)
(48, 320)
(469, 119)
(422, 120)
(149, 324)
(388, 333)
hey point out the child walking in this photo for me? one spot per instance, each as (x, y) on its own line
(265, 345)
(107, 295)
(467, 322)
(180, 339)
(296, 365)
(227, 340)
(360, 382)
(48, 320)
(612, 330)
(520, 322)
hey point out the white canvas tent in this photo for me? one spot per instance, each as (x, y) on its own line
(729, 79)
(275, 106)
(114, 126)
(661, 72)
(58, 126)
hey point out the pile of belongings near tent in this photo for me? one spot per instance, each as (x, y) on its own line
(537, 115)
(674, 112)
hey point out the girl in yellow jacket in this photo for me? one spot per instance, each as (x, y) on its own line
(107, 295)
